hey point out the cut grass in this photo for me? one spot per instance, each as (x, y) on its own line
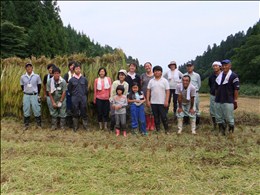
(97, 162)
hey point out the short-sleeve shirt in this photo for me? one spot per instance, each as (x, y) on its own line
(30, 83)
(184, 93)
(145, 80)
(158, 90)
(195, 80)
(60, 88)
(225, 93)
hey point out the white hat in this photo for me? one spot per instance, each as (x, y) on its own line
(216, 63)
(123, 71)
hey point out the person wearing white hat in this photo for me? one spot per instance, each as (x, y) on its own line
(211, 82)
(174, 78)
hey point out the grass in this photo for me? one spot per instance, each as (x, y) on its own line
(97, 162)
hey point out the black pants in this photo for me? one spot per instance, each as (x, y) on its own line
(174, 98)
(79, 106)
(159, 112)
(103, 108)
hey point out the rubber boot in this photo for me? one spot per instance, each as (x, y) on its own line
(100, 125)
(148, 122)
(39, 121)
(105, 125)
(117, 132)
(197, 120)
(85, 124)
(53, 123)
(124, 133)
(180, 124)
(222, 129)
(152, 123)
(231, 128)
(63, 124)
(214, 123)
(75, 124)
(26, 121)
(193, 126)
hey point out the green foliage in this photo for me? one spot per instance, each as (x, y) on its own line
(250, 90)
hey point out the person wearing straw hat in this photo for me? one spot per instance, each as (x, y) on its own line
(227, 86)
(174, 78)
(212, 82)
(31, 87)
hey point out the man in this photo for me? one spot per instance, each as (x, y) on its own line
(211, 82)
(196, 82)
(56, 88)
(67, 77)
(186, 95)
(132, 76)
(145, 78)
(31, 87)
(158, 91)
(227, 86)
(174, 78)
(78, 89)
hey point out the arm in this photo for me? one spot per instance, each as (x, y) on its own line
(95, 91)
(180, 103)
(191, 105)
(148, 97)
(39, 88)
(22, 87)
(166, 102)
(52, 100)
(199, 81)
(235, 99)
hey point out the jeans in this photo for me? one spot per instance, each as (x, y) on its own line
(137, 114)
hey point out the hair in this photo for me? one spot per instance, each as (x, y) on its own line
(56, 69)
(148, 63)
(187, 77)
(76, 64)
(136, 84)
(133, 63)
(102, 68)
(120, 87)
(119, 74)
(157, 68)
(50, 66)
(71, 63)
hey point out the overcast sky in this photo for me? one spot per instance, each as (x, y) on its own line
(159, 32)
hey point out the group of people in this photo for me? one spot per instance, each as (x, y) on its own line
(142, 100)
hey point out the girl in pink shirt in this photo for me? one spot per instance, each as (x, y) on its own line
(102, 87)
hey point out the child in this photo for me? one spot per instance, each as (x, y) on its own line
(158, 91)
(119, 103)
(136, 99)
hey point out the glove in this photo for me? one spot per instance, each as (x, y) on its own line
(235, 105)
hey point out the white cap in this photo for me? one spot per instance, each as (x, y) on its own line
(123, 71)
(216, 63)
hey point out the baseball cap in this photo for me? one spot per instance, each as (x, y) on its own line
(216, 63)
(189, 64)
(226, 61)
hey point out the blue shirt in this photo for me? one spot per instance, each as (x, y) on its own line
(225, 93)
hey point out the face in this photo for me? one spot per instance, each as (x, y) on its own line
(77, 70)
(190, 68)
(148, 67)
(157, 73)
(56, 76)
(216, 68)
(185, 81)
(121, 76)
(50, 70)
(132, 68)
(71, 67)
(119, 92)
(226, 67)
(135, 88)
(102, 73)
(172, 66)
(29, 69)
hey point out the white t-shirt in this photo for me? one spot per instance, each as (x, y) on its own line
(158, 87)
(184, 93)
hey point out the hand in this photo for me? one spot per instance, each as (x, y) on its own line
(94, 101)
(192, 111)
(54, 105)
(180, 110)
(235, 105)
(166, 104)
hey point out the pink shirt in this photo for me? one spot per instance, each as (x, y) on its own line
(102, 94)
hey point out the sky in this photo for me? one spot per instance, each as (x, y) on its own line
(160, 31)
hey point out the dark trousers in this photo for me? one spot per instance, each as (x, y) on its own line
(79, 106)
(103, 107)
(160, 112)
(174, 98)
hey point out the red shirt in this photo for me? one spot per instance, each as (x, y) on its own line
(102, 94)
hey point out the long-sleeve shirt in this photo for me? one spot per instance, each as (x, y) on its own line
(78, 87)
(212, 84)
(122, 101)
(114, 86)
(195, 80)
(102, 94)
(172, 81)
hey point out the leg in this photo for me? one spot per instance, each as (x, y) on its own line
(99, 105)
(213, 111)
(142, 119)
(75, 112)
(106, 112)
(117, 120)
(229, 116)
(175, 99)
(180, 121)
(36, 107)
(83, 111)
(169, 102)
(69, 113)
(123, 123)
(163, 115)
(156, 115)
(197, 102)
(134, 118)
(26, 110)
